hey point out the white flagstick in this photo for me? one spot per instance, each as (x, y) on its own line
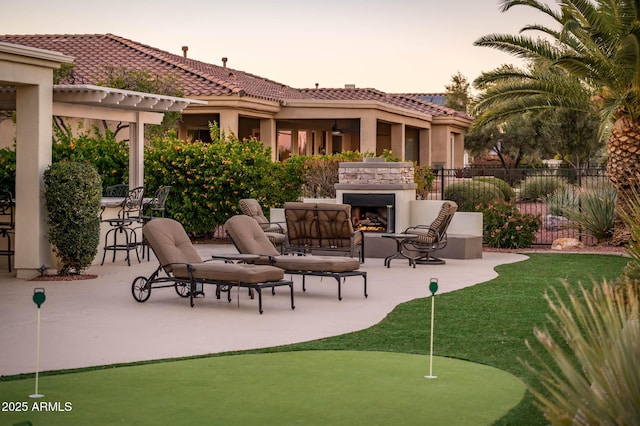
(433, 287)
(38, 299)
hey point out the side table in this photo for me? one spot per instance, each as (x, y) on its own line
(399, 238)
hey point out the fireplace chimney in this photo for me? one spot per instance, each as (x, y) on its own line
(224, 62)
(184, 50)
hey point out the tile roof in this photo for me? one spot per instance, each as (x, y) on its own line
(196, 78)
(94, 52)
(413, 102)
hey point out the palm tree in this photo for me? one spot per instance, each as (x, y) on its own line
(589, 63)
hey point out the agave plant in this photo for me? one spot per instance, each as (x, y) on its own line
(596, 212)
(595, 375)
(561, 200)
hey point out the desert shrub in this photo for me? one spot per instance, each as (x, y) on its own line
(592, 377)
(468, 195)
(72, 197)
(507, 190)
(109, 157)
(504, 226)
(631, 217)
(596, 212)
(8, 170)
(423, 177)
(561, 200)
(538, 187)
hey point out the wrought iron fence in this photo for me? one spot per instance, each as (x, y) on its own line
(544, 192)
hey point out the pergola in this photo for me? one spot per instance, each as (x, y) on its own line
(26, 85)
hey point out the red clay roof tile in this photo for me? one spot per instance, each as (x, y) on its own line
(94, 52)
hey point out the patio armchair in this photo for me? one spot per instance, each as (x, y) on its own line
(182, 267)
(249, 238)
(118, 190)
(275, 231)
(429, 238)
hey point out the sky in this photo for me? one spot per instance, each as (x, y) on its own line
(391, 45)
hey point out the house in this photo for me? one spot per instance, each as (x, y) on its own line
(289, 120)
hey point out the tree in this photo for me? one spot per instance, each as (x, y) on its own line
(517, 138)
(590, 63)
(145, 81)
(571, 135)
(458, 95)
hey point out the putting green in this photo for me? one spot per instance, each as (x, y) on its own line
(311, 387)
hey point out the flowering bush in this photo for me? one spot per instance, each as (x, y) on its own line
(504, 226)
(208, 179)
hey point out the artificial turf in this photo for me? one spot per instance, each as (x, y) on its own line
(486, 323)
(289, 388)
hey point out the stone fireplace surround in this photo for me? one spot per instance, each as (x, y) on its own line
(375, 176)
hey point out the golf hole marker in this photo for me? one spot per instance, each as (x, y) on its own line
(433, 287)
(38, 299)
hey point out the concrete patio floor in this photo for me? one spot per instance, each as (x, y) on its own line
(97, 322)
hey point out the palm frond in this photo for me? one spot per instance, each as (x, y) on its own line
(520, 46)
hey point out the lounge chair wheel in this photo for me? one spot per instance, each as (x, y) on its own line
(141, 289)
(182, 289)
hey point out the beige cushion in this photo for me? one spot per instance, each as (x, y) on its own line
(172, 245)
(251, 274)
(170, 242)
(317, 263)
(248, 237)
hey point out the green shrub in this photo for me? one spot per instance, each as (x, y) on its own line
(596, 211)
(504, 226)
(208, 179)
(561, 200)
(8, 170)
(593, 376)
(507, 191)
(72, 197)
(109, 157)
(538, 187)
(468, 195)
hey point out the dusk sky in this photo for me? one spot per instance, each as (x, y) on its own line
(394, 46)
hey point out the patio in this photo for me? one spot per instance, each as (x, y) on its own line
(97, 322)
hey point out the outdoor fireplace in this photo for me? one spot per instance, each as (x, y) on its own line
(372, 185)
(371, 212)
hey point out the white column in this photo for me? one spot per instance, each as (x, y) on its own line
(33, 157)
(136, 153)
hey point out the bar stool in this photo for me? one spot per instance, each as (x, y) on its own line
(128, 217)
(7, 223)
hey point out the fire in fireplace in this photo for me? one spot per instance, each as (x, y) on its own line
(372, 212)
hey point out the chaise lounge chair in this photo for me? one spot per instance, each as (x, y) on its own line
(182, 268)
(430, 237)
(249, 238)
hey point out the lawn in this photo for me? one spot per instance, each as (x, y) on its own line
(486, 324)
